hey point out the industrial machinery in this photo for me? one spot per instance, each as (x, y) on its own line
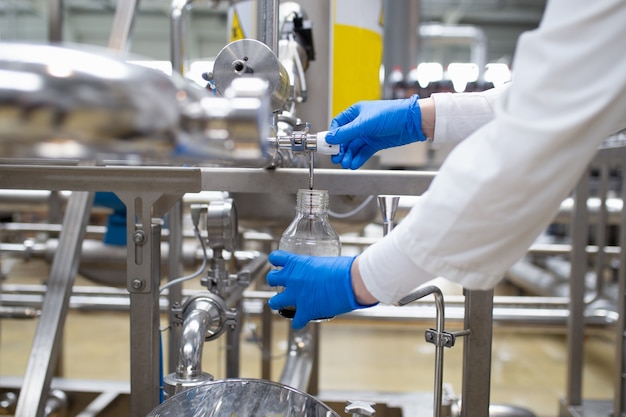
(185, 164)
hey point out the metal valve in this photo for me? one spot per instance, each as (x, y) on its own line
(300, 140)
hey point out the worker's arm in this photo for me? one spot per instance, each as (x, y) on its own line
(501, 187)
(452, 117)
(370, 126)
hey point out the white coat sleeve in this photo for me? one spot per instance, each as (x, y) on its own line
(500, 188)
(458, 115)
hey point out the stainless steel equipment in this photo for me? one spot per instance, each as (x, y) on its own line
(83, 103)
(249, 57)
(243, 397)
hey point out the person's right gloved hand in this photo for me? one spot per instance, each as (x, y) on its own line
(369, 126)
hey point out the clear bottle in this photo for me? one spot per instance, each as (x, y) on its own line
(310, 232)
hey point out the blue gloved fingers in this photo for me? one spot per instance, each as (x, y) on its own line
(318, 286)
(300, 319)
(346, 126)
(281, 300)
(362, 157)
(279, 257)
(346, 116)
(344, 133)
(277, 277)
(360, 151)
(356, 154)
(336, 159)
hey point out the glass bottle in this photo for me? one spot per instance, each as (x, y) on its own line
(310, 232)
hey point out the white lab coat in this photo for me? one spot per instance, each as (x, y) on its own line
(501, 186)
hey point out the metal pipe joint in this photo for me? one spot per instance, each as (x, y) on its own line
(204, 317)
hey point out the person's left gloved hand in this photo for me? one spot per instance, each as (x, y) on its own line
(318, 286)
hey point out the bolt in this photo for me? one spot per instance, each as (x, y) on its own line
(239, 66)
(139, 237)
(137, 284)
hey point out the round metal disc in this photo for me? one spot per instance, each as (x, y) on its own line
(249, 57)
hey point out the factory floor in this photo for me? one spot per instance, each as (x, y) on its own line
(528, 366)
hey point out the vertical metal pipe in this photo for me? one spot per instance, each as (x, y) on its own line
(123, 22)
(575, 322)
(198, 319)
(438, 342)
(175, 270)
(267, 23)
(400, 35)
(601, 229)
(298, 365)
(143, 270)
(48, 336)
(438, 397)
(314, 378)
(266, 345)
(619, 402)
(178, 34)
(476, 385)
(233, 344)
(55, 21)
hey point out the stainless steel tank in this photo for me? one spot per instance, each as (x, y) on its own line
(242, 398)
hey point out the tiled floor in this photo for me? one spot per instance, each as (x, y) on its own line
(528, 367)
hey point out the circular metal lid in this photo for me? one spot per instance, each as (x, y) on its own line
(249, 57)
(243, 398)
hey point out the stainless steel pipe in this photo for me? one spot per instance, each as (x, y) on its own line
(267, 23)
(299, 362)
(438, 342)
(199, 314)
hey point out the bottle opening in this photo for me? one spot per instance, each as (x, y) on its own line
(312, 200)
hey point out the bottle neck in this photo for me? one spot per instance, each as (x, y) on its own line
(312, 201)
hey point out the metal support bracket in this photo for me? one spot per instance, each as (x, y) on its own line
(143, 278)
(445, 339)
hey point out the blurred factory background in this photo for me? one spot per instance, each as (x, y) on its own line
(90, 22)
(542, 351)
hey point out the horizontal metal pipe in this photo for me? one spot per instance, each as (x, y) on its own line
(256, 267)
(195, 179)
(540, 311)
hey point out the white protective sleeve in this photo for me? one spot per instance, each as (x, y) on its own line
(500, 188)
(459, 115)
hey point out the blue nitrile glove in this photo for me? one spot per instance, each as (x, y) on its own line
(369, 126)
(318, 286)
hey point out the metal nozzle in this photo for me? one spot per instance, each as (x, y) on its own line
(388, 207)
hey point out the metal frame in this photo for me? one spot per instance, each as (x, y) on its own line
(49, 334)
(476, 384)
(573, 405)
(149, 193)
